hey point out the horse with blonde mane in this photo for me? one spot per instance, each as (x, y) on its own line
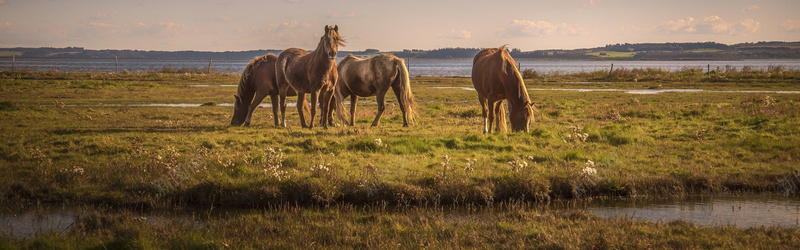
(374, 77)
(496, 78)
(310, 72)
(256, 83)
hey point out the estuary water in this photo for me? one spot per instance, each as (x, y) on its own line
(417, 67)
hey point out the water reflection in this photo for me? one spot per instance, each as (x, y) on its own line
(741, 212)
(647, 91)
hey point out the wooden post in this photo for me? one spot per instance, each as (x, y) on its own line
(611, 70)
(116, 63)
(209, 65)
(13, 62)
(709, 69)
(408, 66)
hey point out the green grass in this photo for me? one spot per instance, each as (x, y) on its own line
(670, 144)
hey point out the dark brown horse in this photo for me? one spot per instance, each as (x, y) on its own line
(496, 78)
(313, 72)
(257, 82)
(374, 77)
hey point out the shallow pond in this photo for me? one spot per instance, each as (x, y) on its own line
(714, 211)
(705, 211)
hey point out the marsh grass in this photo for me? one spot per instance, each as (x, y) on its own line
(666, 144)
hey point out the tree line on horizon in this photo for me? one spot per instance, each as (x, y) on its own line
(641, 51)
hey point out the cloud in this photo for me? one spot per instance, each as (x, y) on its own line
(751, 8)
(709, 25)
(526, 28)
(158, 30)
(98, 16)
(336, 15)
(280, 35)
(791, 25)
(458, 35)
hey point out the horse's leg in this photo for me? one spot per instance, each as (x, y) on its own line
(484, 114)
(500, 117)
(327, 100)
(275, 107)
(381, 104)
(353, 102)
(490, 119)
(282, 92)
(256, 101)
(301, 102)
(314, 100)
(398, 94)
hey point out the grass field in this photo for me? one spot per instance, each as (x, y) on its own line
(61, 146)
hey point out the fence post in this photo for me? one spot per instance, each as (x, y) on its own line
(13, 62)
(209, 65)
(611, 70)
(408, 66)
(709, 69)
(116, 64)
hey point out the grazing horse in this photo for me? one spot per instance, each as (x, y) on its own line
(257, 81)
(496, 78)
(313, 72)
(374, 76)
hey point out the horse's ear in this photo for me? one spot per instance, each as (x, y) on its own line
(336, 28)
(327, 28)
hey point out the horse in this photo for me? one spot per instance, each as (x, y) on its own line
(310, 72)
(374, 76)
(496, 78)
(257, 81)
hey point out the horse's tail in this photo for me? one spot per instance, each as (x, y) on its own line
(338, 101)
(500, 116)
(403, 83)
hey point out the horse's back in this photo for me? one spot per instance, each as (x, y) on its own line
(484, 66)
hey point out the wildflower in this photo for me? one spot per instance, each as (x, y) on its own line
(588, 169)
(378, 142)
(470, 163)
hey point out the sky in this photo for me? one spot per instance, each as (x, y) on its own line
(236, 25)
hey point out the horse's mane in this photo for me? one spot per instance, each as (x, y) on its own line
(506, 58)
(248, 70)
(338, 38)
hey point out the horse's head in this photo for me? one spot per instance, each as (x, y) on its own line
(239, 112)
(521, 117)
(331, 41)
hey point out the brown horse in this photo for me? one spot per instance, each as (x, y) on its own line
(313, 72)
(496, 78)
(374, 76)
(257, 81)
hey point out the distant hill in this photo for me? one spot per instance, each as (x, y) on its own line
(627, 51)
